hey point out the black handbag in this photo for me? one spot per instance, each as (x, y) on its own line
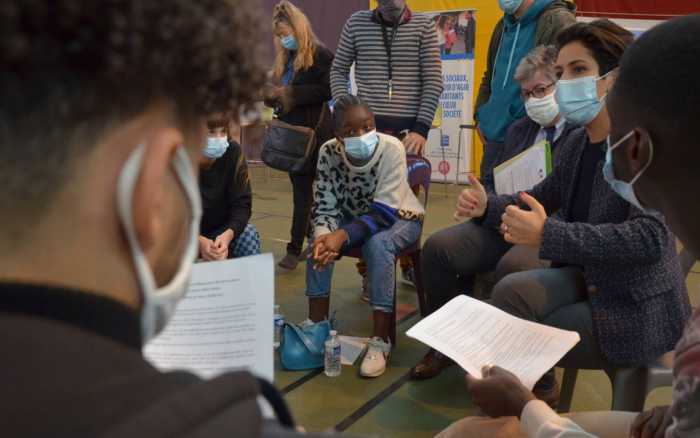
(290, 148)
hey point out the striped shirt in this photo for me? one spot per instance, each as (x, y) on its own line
(416, 66)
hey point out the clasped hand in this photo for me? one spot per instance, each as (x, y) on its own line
(327, 248)
(217, 249)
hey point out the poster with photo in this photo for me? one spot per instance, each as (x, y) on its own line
(449, 147)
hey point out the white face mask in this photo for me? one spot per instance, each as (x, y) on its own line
(542, 111)
(158, 304)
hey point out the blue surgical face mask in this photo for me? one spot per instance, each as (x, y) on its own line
(289, 42)
(216, 147)
(510, 7)
(623, 188)
(578, 99)
(361, 148)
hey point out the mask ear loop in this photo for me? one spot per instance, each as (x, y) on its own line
(150, 293)
(604, 97)
(646, 166)
(622, 141)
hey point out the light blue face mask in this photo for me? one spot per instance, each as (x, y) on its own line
(289, 42)
(216, 147)
(623, 188)
(578, 99)
(510, 7)
(361, 148)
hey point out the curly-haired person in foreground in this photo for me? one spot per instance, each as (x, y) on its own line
(103, 110)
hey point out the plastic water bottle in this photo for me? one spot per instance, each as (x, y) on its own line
(279, 327)
(332, 355)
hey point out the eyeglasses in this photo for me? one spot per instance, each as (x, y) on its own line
(538, 92)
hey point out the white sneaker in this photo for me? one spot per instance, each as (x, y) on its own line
(374, 363)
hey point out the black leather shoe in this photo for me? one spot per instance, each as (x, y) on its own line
(430, 366)
(548, 393)
(289, 262)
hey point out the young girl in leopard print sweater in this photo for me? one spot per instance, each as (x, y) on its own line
(361, 199)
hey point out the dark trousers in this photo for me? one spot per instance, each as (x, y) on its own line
(452, 257)
(302, 187)
(557, 298)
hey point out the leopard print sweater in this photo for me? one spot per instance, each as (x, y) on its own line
(344, 192)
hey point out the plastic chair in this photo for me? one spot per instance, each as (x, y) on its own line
(419, 171)
(630, 385)
(471, 127)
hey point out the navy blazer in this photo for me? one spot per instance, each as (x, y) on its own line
(636, 289)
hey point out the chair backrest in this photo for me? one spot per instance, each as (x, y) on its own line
(419, 171)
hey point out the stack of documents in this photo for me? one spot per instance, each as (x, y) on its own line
(525, 170)
(224, 323)
(351, 348)
(475, 334)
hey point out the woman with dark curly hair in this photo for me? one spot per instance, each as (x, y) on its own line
(301, 75)
(102, 125)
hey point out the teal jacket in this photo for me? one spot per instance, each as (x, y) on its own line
(516, 39)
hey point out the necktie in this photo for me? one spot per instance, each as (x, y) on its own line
(549, 134)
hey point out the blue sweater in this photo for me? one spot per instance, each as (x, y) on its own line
(505, 104)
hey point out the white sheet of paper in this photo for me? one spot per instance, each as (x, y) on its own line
(522, 172)
(224, 323)
(475, 334)
(350, 348)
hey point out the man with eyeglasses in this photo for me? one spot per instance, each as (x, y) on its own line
(452, 257)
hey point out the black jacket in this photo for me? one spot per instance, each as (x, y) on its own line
(72, 367)
(227, 199)
(520, 136)
(303, 101)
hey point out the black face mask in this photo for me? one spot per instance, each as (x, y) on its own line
(391, 9)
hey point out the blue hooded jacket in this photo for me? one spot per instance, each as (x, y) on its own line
(505, 105)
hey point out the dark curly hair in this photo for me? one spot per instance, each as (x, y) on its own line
(606, 40)
(73, 69)
(342, 106)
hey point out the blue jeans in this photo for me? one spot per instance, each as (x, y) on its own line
(380, 253)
